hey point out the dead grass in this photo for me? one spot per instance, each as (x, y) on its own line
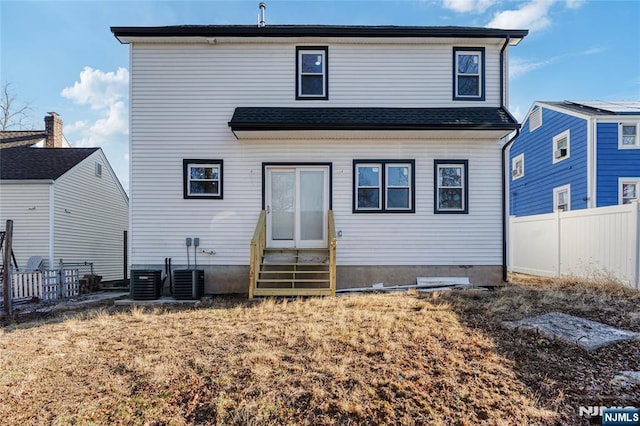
(378, 359)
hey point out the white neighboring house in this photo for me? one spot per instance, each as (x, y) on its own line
(397, 131)
(65, 203)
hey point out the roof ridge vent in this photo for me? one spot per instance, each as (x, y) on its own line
(261, 21)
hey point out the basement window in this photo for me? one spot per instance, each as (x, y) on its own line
(383, 186)
(202, 178)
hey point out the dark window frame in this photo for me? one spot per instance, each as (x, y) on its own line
(383, 186)
(186, 179)
(300, 97)
(481, 51)
(465, 189)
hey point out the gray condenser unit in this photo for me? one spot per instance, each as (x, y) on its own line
(145, 284)
(188, 284)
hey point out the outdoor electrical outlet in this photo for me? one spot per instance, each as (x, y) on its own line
(188, 242)
(196, 241)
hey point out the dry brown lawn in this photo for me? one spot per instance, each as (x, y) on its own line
(371, 359)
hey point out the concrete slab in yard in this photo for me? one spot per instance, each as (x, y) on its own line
(585, 333)
(158, 302)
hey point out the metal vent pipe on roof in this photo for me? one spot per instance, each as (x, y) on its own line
(261, 22)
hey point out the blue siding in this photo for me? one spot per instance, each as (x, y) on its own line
(612, 163)
(533, 193)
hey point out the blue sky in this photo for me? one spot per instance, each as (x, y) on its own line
(61, 56)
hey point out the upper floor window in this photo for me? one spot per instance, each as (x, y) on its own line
(628, 190)
(562, 198)
(517, 167)
(561, 144)
(535, 119)
(468, 74)
(451, 186)
(383, 186)
(202, 178)
(312, 73)
(98, 170)
(628, 136)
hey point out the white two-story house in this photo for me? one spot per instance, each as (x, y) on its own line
(305, 158)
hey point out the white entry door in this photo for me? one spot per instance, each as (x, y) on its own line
(297, 204)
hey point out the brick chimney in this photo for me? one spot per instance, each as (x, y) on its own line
(53, 128)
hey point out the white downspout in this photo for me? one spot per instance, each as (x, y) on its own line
(594, 163)
(52, 217)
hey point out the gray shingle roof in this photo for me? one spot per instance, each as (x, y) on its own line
(315, 31)
(598, 108)
(12, 138)
(279, 118)
(25, 163)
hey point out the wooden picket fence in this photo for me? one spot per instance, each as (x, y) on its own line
(45, 285)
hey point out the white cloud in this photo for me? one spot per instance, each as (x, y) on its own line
(594, 51)
(532, 16)
(97, 88)
(106, 94)
(575, 4)
(519, 67)
(463, 6)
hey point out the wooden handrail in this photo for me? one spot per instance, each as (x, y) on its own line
(333, 244)
(258, 244)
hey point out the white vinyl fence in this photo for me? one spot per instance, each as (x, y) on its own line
(45, 285)
(590, 243)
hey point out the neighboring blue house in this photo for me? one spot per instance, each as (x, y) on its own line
(575, 155)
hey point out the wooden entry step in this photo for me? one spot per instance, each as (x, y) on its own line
(295, 269)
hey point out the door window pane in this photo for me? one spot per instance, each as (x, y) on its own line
(311, 205)
(283, 205)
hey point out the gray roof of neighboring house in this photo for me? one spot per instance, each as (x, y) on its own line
(315, 30)
(25, 163)
(13, 138)
(282, 118)
(596, 108)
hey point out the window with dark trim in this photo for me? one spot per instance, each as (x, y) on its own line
(383, 186)
(312, 73)
(451, 186)
(202, 178)
(468, 73)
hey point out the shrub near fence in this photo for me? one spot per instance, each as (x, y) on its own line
(588, 243)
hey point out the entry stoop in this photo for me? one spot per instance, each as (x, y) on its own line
(294, 272)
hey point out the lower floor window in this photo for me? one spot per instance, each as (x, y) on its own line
(628, 190)
(562, 198)
(202, 178)
(451, 186)
(383, 186)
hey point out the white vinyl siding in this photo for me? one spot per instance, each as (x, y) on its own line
(91, 214)
(27, 204)
(183, 96)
